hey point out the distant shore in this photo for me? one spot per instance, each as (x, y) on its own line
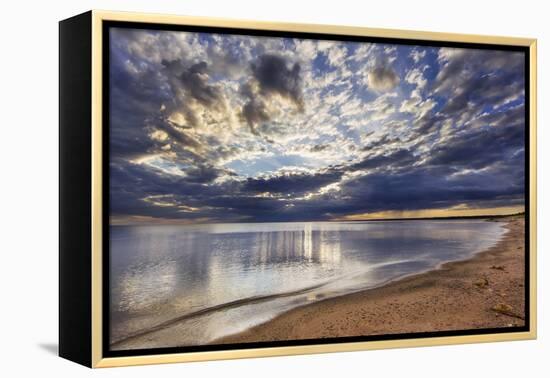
(485, 291)
(450, 217)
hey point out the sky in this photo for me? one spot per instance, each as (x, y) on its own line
(208, 128)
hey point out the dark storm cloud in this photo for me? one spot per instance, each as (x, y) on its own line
(142, 180)
(457, 62)
(205, 173)
(134, 96)
(255, 110)
(132, 184)
(474, 79)
(480, 91)
(177, 133)
(292, 183)
(385, 141)
(382, 77)
(482, 147)
(271, 75)
(276, 76)
(137, 96)
(427, 124)
(391, 186)
(514, 116)
(393, 160)
(189, 85)
(420, 189)
(195, 82)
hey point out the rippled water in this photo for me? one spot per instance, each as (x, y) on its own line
(207, 281)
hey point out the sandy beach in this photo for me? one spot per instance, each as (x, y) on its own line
(486, 291)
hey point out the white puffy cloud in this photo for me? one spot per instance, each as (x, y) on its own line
(417, 55)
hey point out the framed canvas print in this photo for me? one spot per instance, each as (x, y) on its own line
(236, 189)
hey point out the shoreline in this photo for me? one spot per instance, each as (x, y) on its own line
(484, 291)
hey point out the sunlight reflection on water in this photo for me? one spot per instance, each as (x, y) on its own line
(160, 273)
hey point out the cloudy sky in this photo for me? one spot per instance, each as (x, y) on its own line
(229, 128)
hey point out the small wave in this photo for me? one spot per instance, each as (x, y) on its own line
(220, 307)
(263, 298)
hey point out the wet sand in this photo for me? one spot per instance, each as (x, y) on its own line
(486, 291)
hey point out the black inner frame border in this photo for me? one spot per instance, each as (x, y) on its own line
(106, 25)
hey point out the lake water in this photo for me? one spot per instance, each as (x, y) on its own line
(208, 281)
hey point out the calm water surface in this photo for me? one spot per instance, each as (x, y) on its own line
(208, 281)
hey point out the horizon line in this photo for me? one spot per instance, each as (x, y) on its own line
(170, 222)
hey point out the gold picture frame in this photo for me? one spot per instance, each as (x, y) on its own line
(93, 263)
